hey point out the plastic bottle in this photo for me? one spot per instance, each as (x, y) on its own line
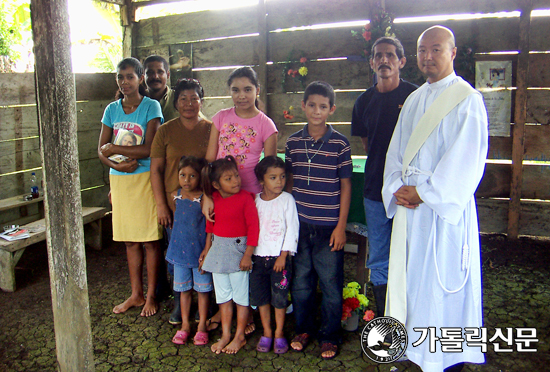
(34, 186)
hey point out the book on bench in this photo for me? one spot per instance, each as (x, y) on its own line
(15, 234)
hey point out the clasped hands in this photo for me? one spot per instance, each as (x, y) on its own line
(407, 197)
(127, 166)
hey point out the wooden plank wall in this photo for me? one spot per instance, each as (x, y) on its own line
(349, 75)
(20, 141)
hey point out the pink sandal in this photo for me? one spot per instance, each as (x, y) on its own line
(181, 337)
(201, 338)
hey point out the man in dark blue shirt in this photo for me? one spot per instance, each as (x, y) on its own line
(374, 117)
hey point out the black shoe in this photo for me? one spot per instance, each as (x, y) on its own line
(175, 317)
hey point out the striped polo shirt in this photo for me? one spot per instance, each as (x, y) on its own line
(317, 167)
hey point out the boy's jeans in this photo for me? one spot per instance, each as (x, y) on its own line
(313, 261)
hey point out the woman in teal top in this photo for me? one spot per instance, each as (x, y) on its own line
(134, 208)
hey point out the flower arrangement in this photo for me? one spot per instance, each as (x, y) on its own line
(298, 73)
(380, 24)
(354, 302)
(287, 114)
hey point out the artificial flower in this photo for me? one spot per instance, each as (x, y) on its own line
(290, 71)
(367, 35)
(288, 116)
(369, 315)
(303, 71)
(363, 300)
(354, 302)
(349, 292)
(303, 60)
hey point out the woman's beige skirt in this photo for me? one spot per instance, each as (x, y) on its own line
(134, 209)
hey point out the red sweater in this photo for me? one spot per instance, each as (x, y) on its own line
(235, 216)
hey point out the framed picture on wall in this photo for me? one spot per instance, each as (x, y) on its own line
(494, 80)
(181, 62)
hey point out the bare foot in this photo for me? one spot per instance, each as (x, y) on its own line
(219, 346)
(234, 346)
(151, 307)
(129, 303)
(250, 328)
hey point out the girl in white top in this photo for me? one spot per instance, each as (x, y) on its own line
(279, 227)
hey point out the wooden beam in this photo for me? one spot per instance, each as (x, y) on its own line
(127, 20)
(520, 114)
(154, 2)
(262, 52)
(116, 2)
(64, 230)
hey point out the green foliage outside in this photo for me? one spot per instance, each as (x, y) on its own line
(110, 45)
(15, 25)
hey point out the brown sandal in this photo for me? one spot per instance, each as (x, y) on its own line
(327, 346)
(302, 339)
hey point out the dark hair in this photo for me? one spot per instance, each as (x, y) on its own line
(269, 161)
(185, 84)
(155, 58)
(247, 72)
(196, 163)
(321, 88)
(138, 69)
(212, 172)
(399, 50)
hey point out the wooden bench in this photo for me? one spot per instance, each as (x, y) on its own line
(11, 252)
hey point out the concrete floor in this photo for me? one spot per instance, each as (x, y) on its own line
(514, 296)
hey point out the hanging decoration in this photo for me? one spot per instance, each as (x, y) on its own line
(381, 24)
(296, 69)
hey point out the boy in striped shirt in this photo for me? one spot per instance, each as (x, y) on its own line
(319, 167)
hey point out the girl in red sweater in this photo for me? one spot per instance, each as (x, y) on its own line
(230, 243)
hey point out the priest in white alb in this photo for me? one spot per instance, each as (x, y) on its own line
(434, 164)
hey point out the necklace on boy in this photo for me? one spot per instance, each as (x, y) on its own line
(309, 159)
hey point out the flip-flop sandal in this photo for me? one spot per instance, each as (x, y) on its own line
(209, 322)
(302, 339)
(181, 337)
(264, 345)
(251, 327)
(281, 346)
(201, 338)
(327, 346)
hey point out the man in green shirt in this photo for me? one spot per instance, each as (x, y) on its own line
(157, 74)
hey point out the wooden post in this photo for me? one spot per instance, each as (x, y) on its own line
(64, 232)
(520, 113)
(127, 19)
(262, 51)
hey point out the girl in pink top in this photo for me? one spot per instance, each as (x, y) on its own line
(243, 131)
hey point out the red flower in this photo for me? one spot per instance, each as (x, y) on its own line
(288, 116)
(346, 312)
(369, 315)
(303, 60)
(290, 71)
(352, 302)
(285, 112)
(367, 35)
